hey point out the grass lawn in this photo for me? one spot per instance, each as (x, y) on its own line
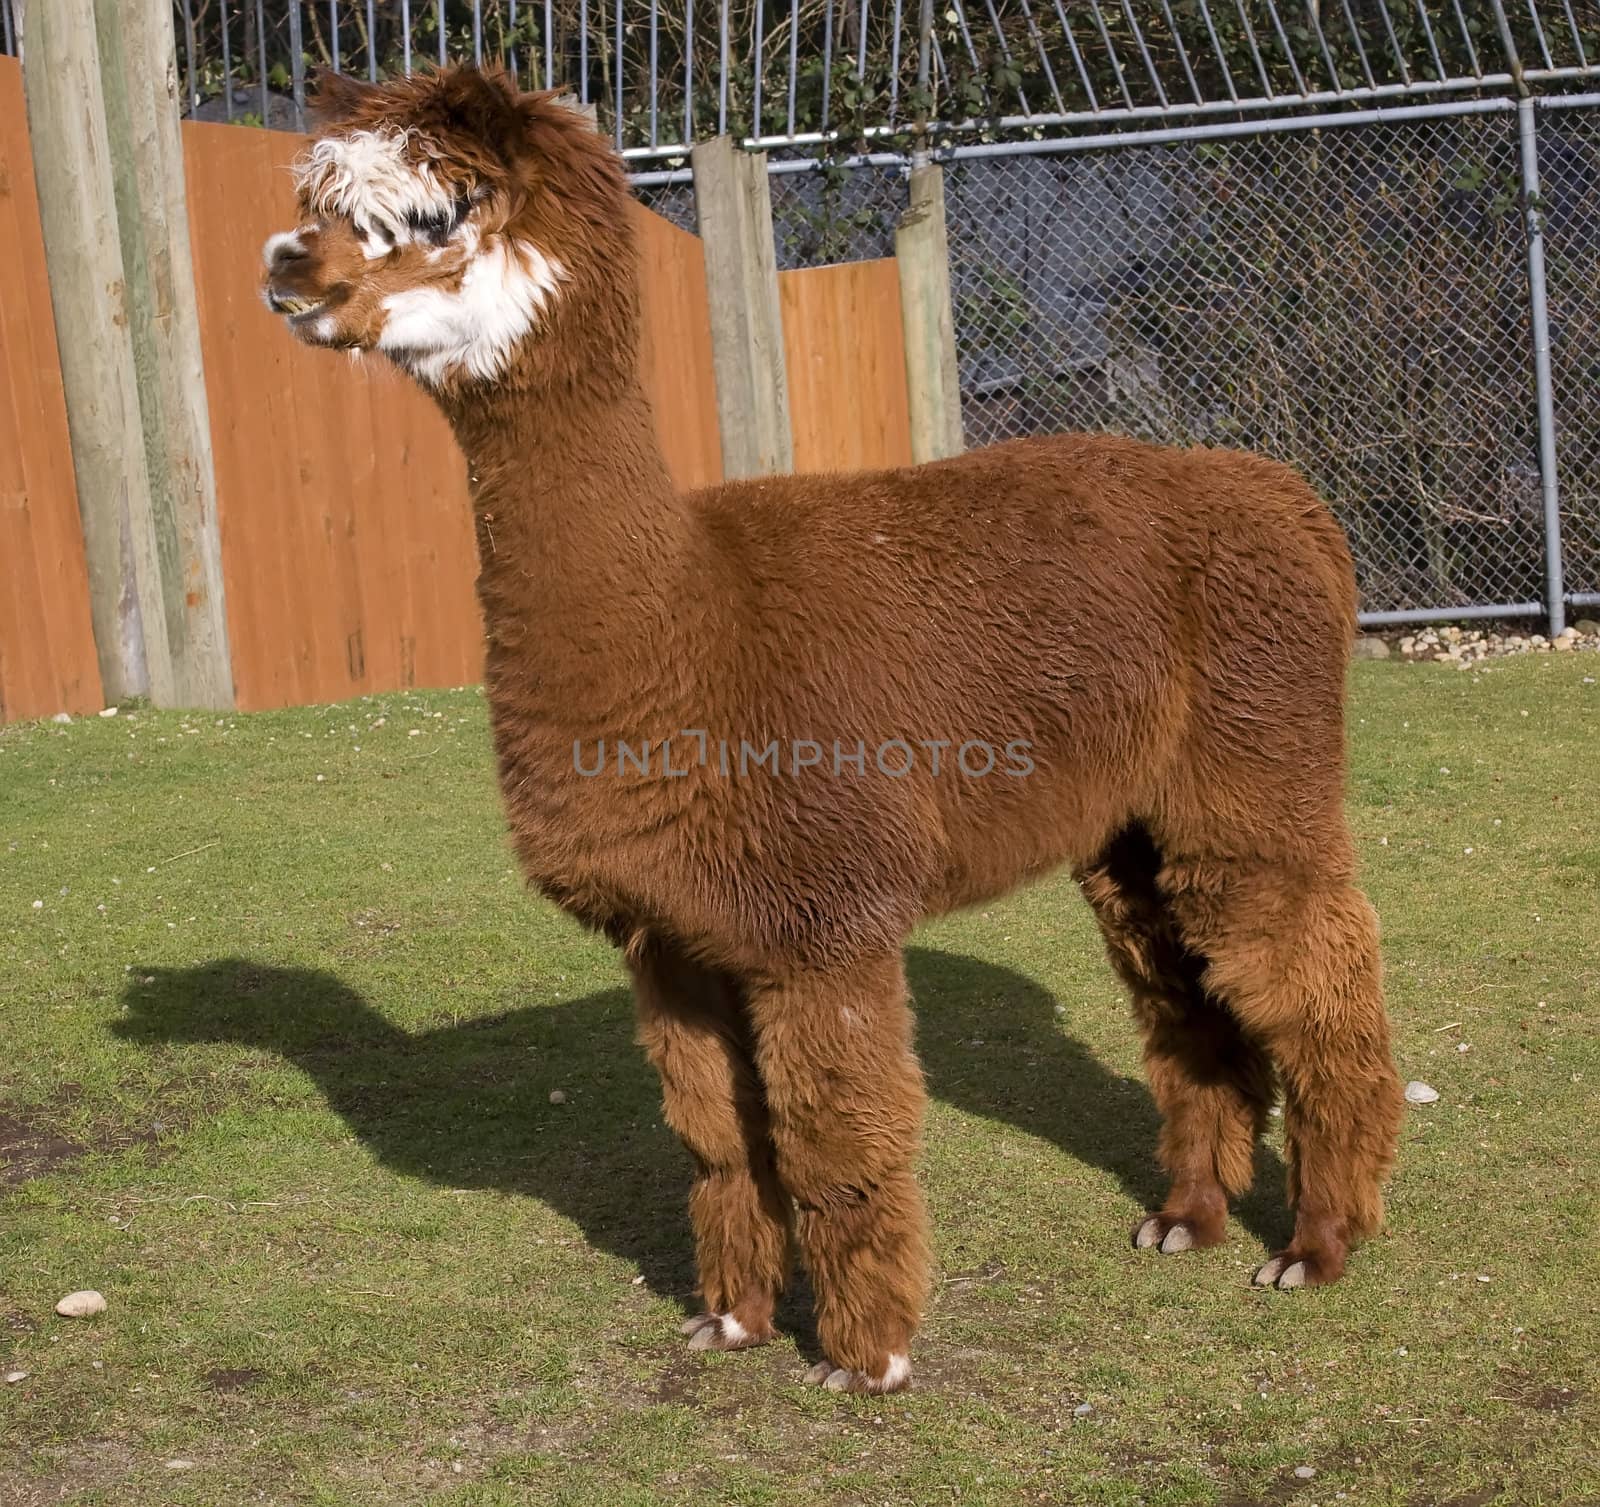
(281, 1031)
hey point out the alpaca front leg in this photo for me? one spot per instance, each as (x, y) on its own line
(845, 1094)
(693, 1029)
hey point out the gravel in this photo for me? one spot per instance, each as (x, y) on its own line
(1465, 647)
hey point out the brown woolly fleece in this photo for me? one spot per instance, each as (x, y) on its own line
(1098, 617)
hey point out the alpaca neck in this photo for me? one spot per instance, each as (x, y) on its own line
(580, 533)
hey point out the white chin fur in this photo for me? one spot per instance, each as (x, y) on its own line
(437, 333)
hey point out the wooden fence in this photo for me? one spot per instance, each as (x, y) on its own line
(341, 498)
(47, 658)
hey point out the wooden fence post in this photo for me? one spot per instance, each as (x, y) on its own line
(734, 209)
(139, 79)
(78, 215)
(933, 381)
(109, 170)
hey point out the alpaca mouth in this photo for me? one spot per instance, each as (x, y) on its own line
(293, 306)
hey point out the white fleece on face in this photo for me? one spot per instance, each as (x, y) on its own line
(439, 332)
(367, 177)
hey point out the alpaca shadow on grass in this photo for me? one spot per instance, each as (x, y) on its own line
(469, 1105)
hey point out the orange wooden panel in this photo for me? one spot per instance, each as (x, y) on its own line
(675, 354)
(845, 347)
(341, 494)
(47, 655)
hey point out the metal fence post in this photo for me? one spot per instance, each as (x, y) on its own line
(1555, 587)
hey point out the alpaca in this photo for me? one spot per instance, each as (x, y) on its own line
(754, 733)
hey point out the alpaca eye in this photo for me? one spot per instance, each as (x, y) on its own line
(435, 229)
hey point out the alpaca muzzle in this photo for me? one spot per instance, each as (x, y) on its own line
(289, 284)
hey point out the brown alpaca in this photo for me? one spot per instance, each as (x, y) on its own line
(1095, 620)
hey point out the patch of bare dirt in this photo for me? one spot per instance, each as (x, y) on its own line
(33, 1142)
(1515, 1385)
(29, 1149)
(63, 1473)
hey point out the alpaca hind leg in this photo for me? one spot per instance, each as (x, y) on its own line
(1293, 950)
(1211, 1082)
(846, 1097)
(692, 1027)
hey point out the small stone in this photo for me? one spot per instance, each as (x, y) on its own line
(1305, 1472)
(13, 1377)
(557, 1096)
(1083, 1410)
(1421, 1093)
(1587, 627)
(81, 1305)
(1369, 646)
(62, 717)
(109, 711)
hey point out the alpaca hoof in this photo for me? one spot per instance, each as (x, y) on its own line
(721, 1331)
(896, 1377)
(1289, 1271)
(1161, 1232)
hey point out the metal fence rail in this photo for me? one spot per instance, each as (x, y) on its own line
(819, 72)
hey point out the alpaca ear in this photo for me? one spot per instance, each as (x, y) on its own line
(484, 107)
(337, 98)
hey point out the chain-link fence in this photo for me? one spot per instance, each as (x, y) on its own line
(821, 215)
(673, 200)
(1352, 301)
(836, 214)
(1569, 205)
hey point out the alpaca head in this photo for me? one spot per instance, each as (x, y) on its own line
(472, 233)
